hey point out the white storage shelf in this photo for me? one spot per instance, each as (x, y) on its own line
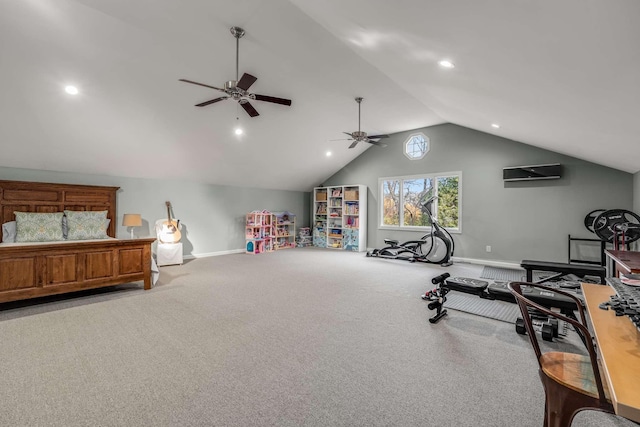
(339, 217)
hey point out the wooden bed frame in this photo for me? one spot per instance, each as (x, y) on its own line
(39, 269)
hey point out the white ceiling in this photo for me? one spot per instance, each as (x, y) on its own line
(561, 75)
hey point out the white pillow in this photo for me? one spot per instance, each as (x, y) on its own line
(65, 226)
(9, 232)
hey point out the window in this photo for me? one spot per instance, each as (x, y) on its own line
(402, 197)
(416, 147)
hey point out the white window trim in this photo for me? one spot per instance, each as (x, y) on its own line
(406, 143)
(436, 175)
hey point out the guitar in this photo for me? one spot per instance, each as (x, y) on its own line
(170, 232)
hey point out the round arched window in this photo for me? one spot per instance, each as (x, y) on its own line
(417, 146)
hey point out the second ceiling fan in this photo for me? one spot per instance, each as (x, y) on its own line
(360, 136)
(238, 89)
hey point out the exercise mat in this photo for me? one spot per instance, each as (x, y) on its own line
(493, 309)
(509, 274)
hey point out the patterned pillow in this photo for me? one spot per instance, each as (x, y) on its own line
(38, 227)
(83, 225)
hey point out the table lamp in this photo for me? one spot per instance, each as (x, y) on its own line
(132, 220)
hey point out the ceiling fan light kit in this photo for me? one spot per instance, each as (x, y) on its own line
(238, 89)
(361, 136)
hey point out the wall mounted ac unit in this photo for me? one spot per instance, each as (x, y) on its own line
(532, 172)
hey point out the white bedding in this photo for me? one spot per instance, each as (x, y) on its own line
(62, 242)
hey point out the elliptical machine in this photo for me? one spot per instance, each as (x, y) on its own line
(435, 247)
(411, 250)
(439, 242)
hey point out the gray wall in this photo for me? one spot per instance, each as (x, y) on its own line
(519, 220)
(212, 216)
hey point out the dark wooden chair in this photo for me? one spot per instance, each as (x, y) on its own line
(572, 382)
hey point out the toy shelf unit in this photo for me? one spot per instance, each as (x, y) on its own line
(319, 236)
(285, 230)
(259, 232)
(340, 217)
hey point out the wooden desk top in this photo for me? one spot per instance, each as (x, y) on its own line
(619, 346)
(626, 260)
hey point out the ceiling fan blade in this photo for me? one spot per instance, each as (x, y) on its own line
(273, 99)
(204, 104)
(353, 144)
(201, 84)
(249, 109)
(378, 136)
(246, 81)
(342, 139)
(379, 144)
(347, 133)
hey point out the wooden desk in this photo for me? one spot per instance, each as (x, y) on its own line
(623, 261)
(618, 343)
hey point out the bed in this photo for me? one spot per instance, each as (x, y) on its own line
(35, 269)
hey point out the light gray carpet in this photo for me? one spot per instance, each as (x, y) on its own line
(302, 337)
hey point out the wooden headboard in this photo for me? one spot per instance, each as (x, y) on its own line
(24, 196)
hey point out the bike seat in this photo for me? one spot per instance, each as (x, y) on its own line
(391, 242)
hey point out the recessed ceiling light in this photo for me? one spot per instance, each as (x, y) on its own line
(446, 64)
(71, 90)
(328, 153)
(238, 131)
(495, 125)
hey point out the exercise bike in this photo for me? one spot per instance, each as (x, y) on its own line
(435, 247)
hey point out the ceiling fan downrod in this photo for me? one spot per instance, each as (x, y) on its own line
(237, 32)
(358, 136)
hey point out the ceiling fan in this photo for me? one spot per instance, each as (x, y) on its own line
(360, 136)
(238, 89)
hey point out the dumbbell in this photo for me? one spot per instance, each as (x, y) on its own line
(538, 318)
(548, 329)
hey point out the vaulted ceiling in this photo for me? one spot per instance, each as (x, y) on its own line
(564, 76)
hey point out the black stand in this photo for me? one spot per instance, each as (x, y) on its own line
(437, 296)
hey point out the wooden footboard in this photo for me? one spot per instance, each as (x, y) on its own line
(29, 271)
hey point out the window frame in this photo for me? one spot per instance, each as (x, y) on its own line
(427, 142)
(401, 179)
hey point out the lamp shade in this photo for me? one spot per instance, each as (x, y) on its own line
(132, 220)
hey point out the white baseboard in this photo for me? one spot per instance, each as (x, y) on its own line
(490, 263)
(208, 254)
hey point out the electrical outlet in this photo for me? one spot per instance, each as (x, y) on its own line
(488, 248)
